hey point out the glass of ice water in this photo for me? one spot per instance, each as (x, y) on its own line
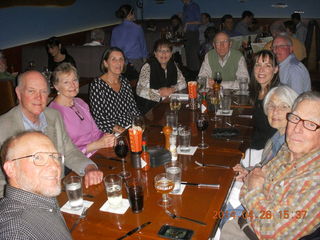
(73, 185)
(113, 183)
(173, 171)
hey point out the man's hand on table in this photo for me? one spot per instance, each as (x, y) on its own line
(255, 179)
(92, 176)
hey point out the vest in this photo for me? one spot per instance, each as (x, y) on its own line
(230, 68)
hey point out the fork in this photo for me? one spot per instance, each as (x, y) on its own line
(82, 216)
(185, 218)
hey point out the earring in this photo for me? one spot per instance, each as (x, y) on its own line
(58, 93)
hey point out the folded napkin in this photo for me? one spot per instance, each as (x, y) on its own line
(220, 113)
(225, 132)
(180, 96)
(190, 152)
(255, 158)
(182, 187)
(67, 208)
(234, 194)
(121, 210)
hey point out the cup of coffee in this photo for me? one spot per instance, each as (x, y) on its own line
(73, 186)
(113, 184)
(135, 195)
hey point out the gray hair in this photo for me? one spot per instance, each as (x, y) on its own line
(21, 77)
(277, 27)
(284, 93)
(285, 37)
(97, 35)
(310, 95)
(63, 68)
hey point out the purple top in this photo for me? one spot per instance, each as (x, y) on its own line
(79, 124)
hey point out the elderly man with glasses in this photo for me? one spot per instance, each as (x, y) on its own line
(282, 199)
(229, 62)
(29, 209)
(292, 72)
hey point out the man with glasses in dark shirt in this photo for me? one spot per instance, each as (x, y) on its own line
(29, 209)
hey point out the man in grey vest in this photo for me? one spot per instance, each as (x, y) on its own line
(229, 62)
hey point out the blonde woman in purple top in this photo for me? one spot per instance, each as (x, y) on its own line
(76, 115)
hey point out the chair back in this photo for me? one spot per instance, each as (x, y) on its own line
(7, 94)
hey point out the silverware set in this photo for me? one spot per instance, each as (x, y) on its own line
(174, 216)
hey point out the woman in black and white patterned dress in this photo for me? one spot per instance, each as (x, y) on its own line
(111, 98)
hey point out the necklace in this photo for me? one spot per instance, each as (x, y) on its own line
(77, 112)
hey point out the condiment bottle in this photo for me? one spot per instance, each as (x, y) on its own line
(145, 157)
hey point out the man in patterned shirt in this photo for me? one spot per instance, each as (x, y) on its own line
(29, 209)
(282, 199)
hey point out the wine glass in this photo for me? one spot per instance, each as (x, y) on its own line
(215, 100)
(202, 125)
(218, 77)
(138, 121)
(163, 185)
(121, 149)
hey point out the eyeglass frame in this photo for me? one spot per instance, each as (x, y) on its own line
(33, 158)
(282, 108)
(281, 46)
(303, 122)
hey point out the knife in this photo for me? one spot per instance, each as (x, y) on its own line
(109, 158)
(134, 230)
(211, 165)
(202, 185)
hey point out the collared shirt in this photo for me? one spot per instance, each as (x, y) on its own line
(191, 13)
(290, 196)
(25, 215)
(294, 74)
(272, 147)
(242, 71)
(129, 37)
(28, 125)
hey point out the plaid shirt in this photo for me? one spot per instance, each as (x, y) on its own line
(24, 215)
(287, 206)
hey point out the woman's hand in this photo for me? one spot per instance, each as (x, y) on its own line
(165, 92)
(242, 173)
(118, 129)
(107, 140)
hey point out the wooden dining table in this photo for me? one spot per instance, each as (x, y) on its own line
(203, 204)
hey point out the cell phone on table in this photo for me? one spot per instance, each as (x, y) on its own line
(172, 232)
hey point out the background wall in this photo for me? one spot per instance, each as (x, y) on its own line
(22, 25)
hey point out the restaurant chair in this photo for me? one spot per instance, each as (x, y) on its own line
(8, 97)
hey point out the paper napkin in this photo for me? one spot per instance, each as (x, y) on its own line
(67, 208)
(120, 210)
(190, 152)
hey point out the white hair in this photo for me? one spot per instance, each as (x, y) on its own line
(284, 93)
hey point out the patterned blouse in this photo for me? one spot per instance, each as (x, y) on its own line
(143, 86)
(110, 108)
(287, 206)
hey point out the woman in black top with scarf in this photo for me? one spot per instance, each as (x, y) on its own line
(159, 77)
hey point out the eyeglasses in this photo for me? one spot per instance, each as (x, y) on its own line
(42, 158)
(221, 42)
(279, 46)
(312, 126)
(76, 111)
(282, 108)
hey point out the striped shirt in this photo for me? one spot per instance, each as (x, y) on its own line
(287, 206)
(25, 215)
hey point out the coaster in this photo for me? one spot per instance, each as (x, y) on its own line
(67, 208)
(121, 210)
(182, 187)
(220, 113)
(192, 150)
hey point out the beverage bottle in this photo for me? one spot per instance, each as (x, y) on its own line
(145, 157)
(204, 103)
(249, 51)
